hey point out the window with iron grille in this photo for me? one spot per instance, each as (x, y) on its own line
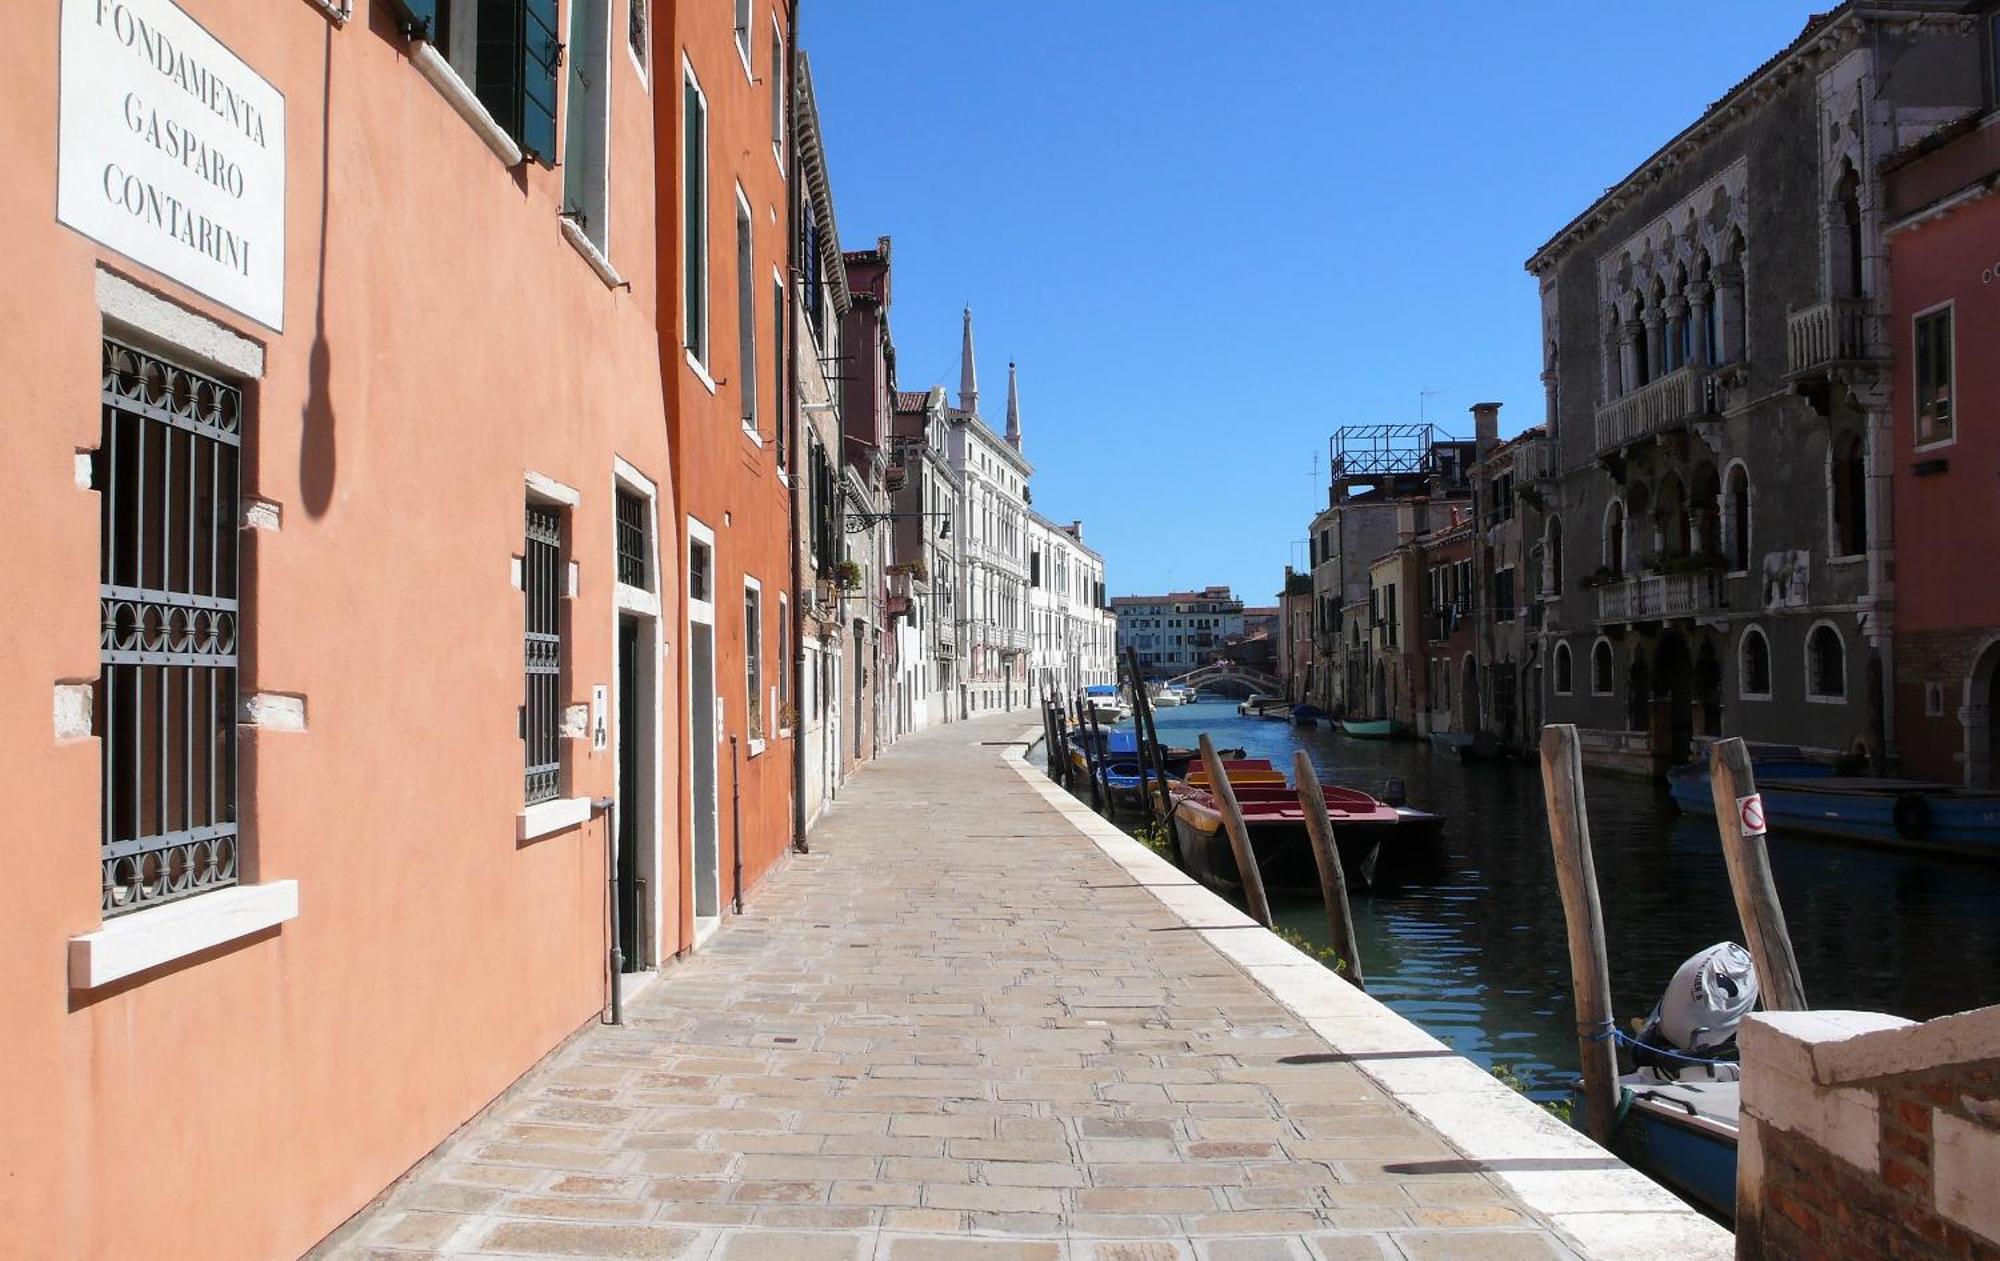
(542, 575)
(635, 567)
(753, 656)
(166, 470)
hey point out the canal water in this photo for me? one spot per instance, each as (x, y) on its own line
(1473, 949)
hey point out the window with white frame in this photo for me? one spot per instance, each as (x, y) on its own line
(743, 31)
(1564, 680)
(781, 427)
(753, 657)
(694, 217)
(638, 31)
(1936, 422)
(785, 716)
(780, 88)
(746, 316)
(1600, 668)
(1753, 665)
(1826, 664)
(166, 475)
(507, 52)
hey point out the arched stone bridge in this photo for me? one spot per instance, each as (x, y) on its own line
(1229, 672)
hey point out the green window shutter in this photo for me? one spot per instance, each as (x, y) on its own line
(514, 71)
(541, 60)
(419, 18)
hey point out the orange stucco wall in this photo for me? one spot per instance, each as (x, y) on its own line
(725, 477)
(442, 341)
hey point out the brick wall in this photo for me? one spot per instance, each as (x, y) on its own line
(1905, 1165)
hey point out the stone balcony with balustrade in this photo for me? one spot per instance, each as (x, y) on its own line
(1655, 597)
(1827, 334)
(1656, 408)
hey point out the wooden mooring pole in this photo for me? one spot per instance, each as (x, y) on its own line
(1150, 736)
(1332, 880)
(1247, 871)
(1139, 707)
(1093, 756)
(1739, 811)
(1590, 979)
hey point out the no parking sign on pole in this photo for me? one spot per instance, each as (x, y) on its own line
(1750, 814)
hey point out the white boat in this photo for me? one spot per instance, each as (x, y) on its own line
(1107, 707)
(1165, 697)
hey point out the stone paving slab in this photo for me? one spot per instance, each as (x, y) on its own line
(978, 1024)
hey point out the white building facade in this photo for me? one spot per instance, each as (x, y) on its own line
(993, 551)
(1072, 636)
(1179, 631)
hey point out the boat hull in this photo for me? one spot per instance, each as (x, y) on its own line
(1694, 1157)
(1877, 812)
(1283, 848)
(1368, 729)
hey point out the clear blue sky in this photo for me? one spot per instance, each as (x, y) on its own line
(1210, 240)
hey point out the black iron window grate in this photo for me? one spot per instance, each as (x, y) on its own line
(541, 713)
(166, 471)
(634, 557)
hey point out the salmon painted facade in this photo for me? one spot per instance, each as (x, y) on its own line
(447, 582)
(340, 485)
(726, 230)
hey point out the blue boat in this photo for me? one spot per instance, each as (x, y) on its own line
(1684, 1134)
(1805, 795)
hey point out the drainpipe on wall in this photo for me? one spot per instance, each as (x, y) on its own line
(791, 414)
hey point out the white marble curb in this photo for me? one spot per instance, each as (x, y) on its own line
(1600, 1205)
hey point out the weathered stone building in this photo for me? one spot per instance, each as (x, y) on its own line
(1718, 401)
(1374, 469)
(1518, 563)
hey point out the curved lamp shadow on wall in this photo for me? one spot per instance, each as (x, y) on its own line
(317, 451)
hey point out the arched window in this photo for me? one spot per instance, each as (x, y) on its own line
(1675, 530)
(1753, 665)
(1847, 472)
(1614, 538)
(1736, 519)
(1826, 664)
(1552, 551)
(1847, 241)
(1600, 668)
(1563, 679)
(1640, 351)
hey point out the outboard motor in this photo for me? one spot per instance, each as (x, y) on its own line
(1697, 1016)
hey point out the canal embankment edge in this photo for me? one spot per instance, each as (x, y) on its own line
(1601, 1206)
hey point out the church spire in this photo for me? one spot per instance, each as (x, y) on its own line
(1013, 410)
(968, 374)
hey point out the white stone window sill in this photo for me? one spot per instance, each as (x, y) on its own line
(146, 939)
(757, 747)
(1855, 559)
(700, 370)
(577, 237)
(751, 432)
(459, 95)
(547, 817)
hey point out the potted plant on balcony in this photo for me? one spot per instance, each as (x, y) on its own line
(1598, 577)
(847, 575)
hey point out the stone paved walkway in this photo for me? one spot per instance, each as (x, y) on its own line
(955, 1032)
